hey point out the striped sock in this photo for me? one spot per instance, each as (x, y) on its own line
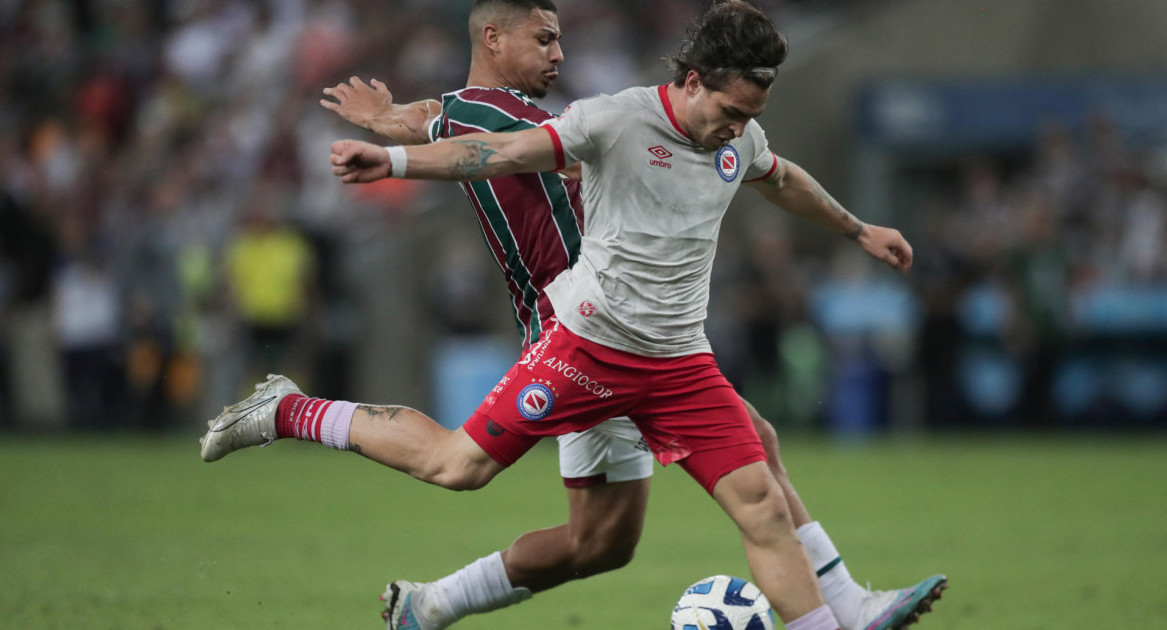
(315, 420)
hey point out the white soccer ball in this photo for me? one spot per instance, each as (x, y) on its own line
(722, 602)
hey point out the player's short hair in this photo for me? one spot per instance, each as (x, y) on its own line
(729, 41)
(485, 10)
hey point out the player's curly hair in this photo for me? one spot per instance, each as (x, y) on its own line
(731, 40)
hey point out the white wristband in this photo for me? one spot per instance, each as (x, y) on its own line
(397, 160)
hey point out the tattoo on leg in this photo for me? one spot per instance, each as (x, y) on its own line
(355, 448)
(380, 413)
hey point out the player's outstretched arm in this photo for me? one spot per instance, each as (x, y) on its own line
(470, 157)
(371, 106)
(794, 190)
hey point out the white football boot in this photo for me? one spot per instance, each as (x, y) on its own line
(407, 607)
(250, 422)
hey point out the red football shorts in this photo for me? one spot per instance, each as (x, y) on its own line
(685, 408)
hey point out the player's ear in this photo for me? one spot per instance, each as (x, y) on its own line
(692, 83)
(491, 33)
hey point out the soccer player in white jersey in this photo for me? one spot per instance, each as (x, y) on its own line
(614, 309)
(605, 471)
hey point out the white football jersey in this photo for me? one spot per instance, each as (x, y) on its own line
(653, 204)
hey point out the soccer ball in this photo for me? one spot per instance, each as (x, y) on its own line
(722, 602)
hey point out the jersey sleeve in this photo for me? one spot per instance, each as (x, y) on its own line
(765, 162)
(584, 128)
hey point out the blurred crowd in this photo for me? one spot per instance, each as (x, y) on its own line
(170, 231)
(1038, 298)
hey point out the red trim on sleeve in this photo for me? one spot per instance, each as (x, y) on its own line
(560, 159)
(664, 99)
(770, 172)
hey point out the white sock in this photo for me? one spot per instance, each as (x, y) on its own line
(334, 427)
(842, 593)
(481, 586)
(820, 618)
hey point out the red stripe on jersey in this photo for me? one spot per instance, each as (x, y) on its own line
(773, 167)
(664, 99)
(560, 160)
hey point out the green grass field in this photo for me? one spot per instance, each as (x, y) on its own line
(130, 533)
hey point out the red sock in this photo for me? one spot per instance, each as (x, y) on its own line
(291, 416)
(315, 420)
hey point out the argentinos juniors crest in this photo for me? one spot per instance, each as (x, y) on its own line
(728, 163)
(535, 401)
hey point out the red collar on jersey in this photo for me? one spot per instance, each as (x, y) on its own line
(664, 99)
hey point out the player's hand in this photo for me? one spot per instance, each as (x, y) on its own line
(358, 103)
(888, 245)
(356, 162)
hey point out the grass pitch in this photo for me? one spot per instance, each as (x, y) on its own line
(131, 533)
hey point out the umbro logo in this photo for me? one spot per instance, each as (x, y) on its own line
(661, 154)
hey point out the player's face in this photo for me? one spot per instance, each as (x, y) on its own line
(529, 53)
(716, 117)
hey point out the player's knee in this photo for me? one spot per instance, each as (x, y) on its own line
(460, 474)
(460, 480)
(599, 554)
(458, 463)
(755, 498)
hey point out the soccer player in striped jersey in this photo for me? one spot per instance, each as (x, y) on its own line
(531, 223)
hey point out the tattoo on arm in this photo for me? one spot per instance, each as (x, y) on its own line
(855, 226)
(474, 161)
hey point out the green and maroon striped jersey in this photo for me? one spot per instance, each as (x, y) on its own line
(532, 223)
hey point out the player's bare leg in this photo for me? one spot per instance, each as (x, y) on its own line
(399, 437)
(855, 607)
(603, 529)
(601, 535)
(753, 499)
(407, 440)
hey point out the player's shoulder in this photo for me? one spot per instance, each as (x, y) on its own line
(487, 101)
(755, 132)
(625, 104)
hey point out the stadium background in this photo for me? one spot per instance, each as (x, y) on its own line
(1021, 146)
(169, 231)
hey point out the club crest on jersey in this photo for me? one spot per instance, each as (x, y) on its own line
(535, 401)
(587, 309)
(728, 163)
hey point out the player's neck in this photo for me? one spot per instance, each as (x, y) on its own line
(485, 76)
(680, 105)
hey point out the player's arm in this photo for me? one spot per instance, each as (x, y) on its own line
(372, 107)
(794, 190)
(470, 157)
